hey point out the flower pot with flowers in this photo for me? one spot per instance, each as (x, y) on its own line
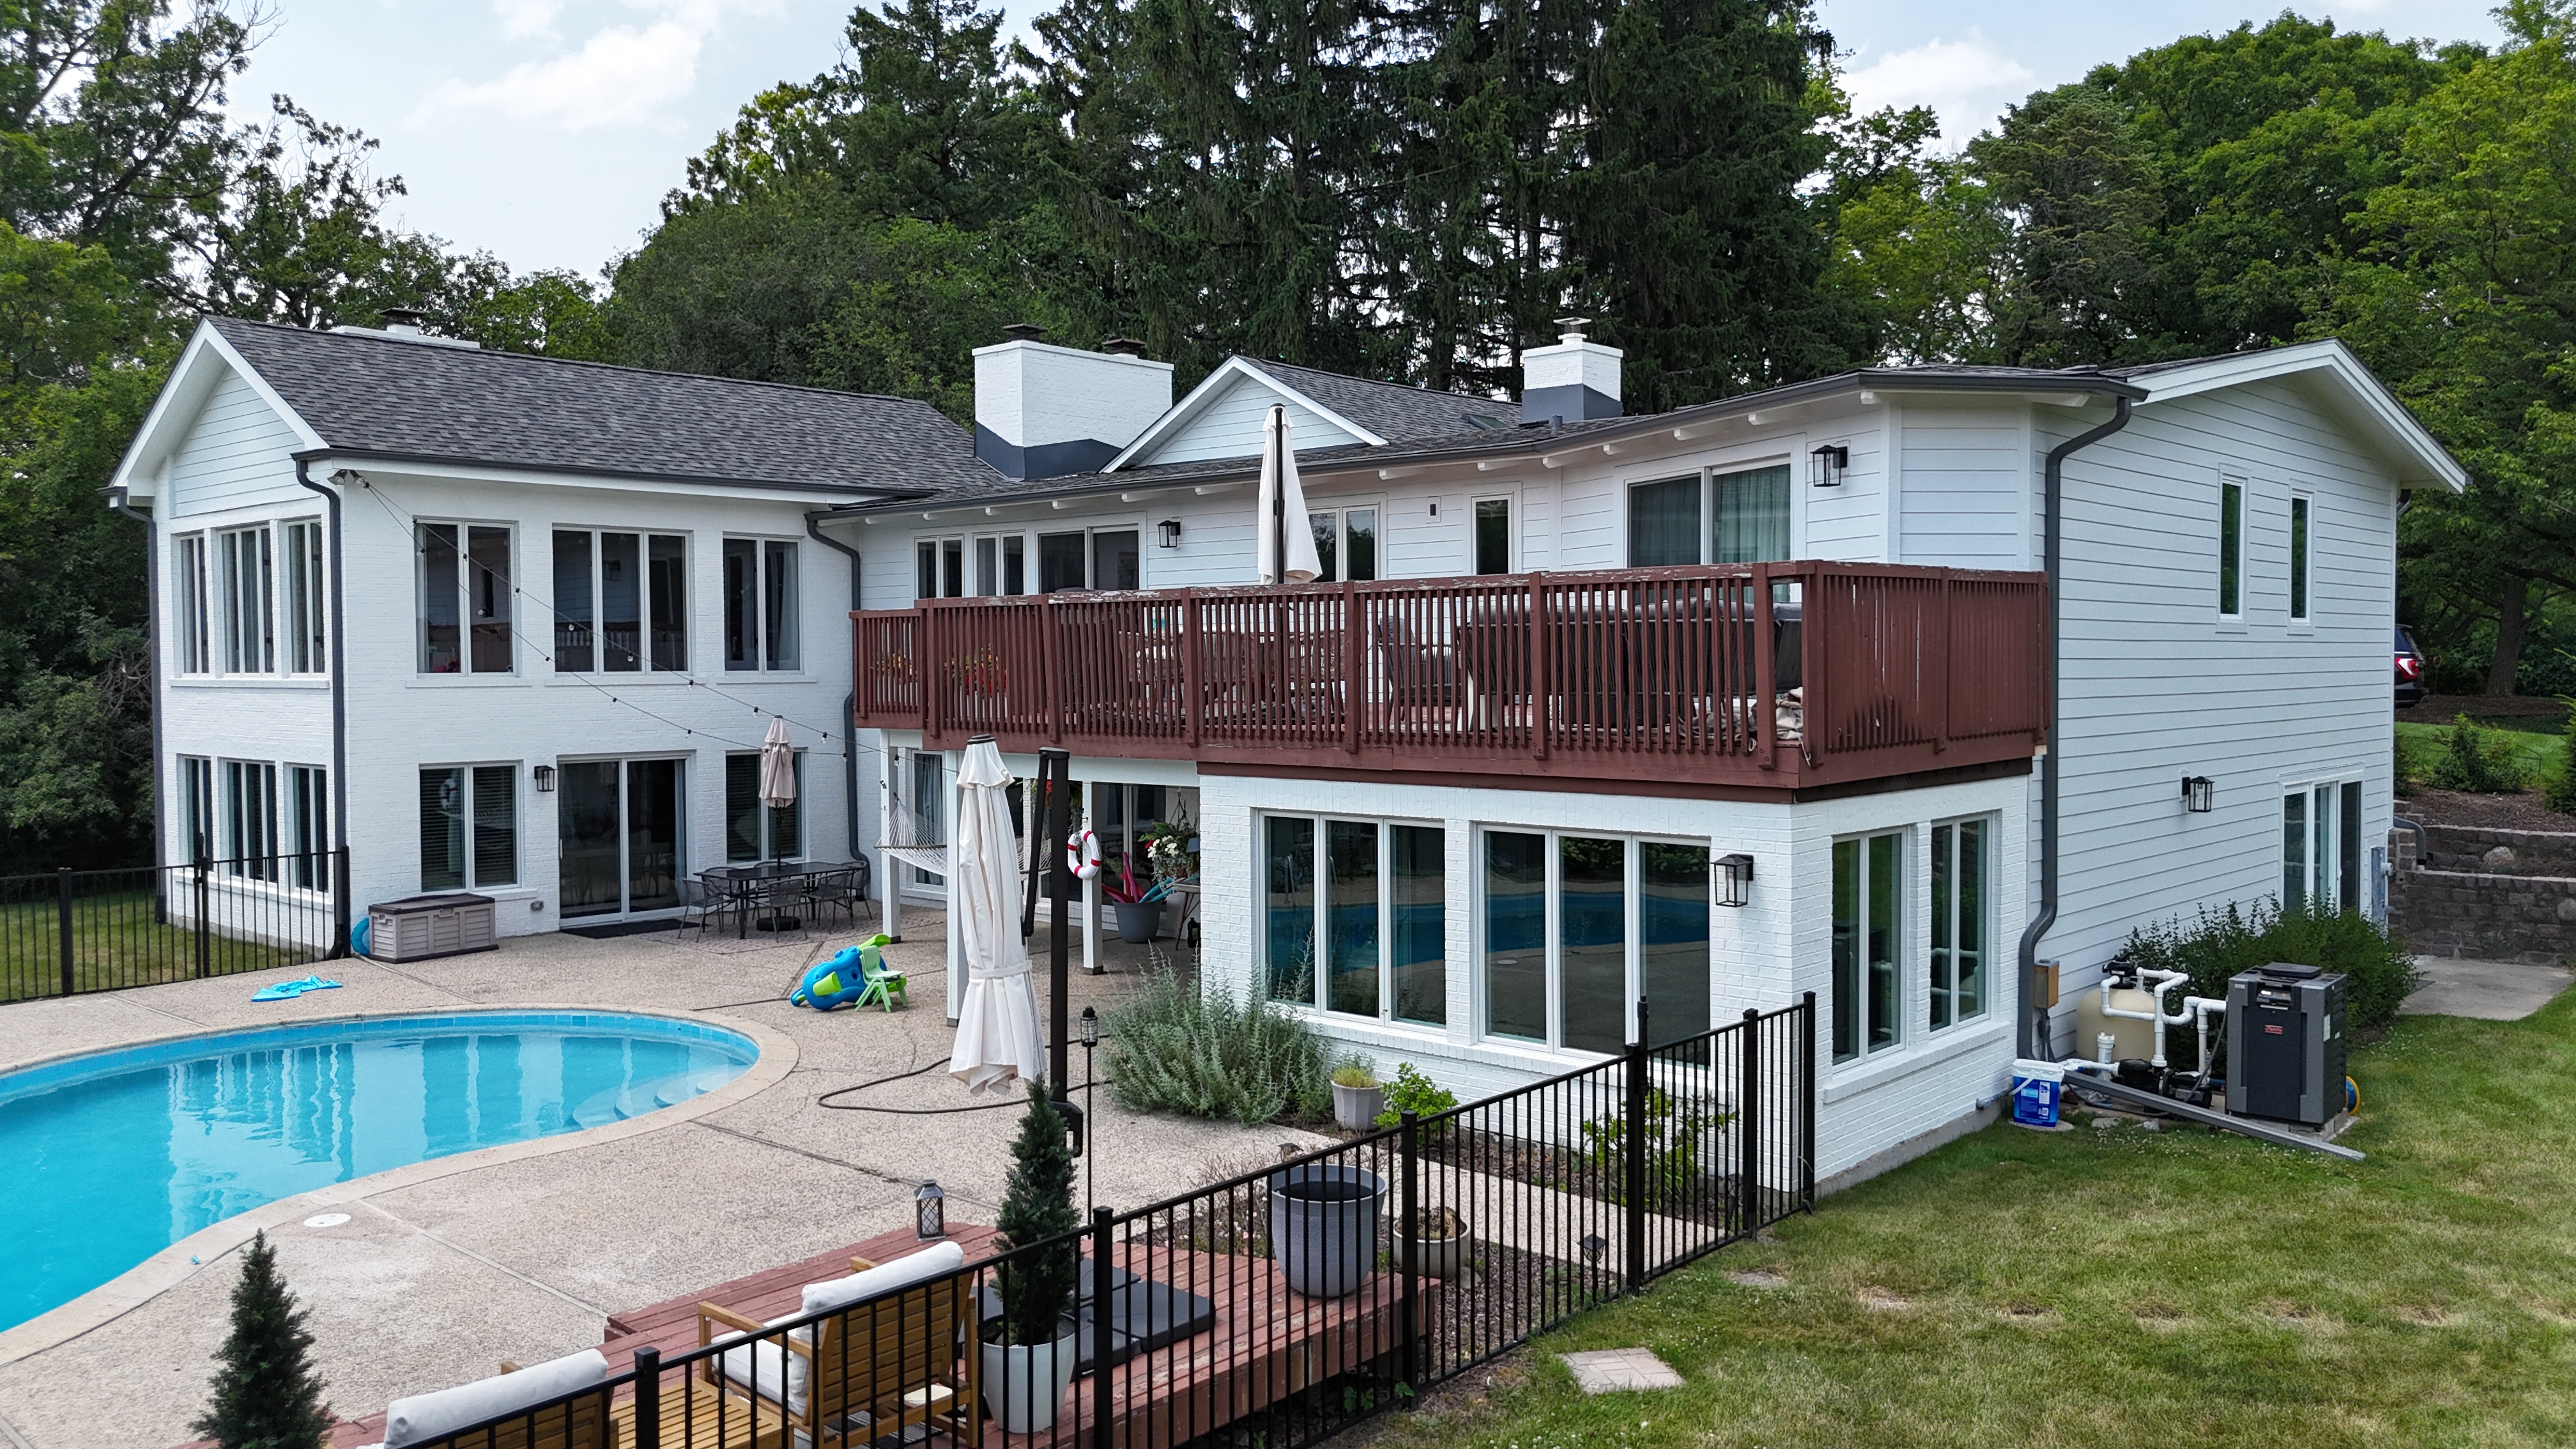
(1137, 904)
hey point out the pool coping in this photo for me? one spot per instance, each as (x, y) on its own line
(183, 1259)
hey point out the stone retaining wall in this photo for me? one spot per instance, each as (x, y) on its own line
(2494, 895)
(2492, 852)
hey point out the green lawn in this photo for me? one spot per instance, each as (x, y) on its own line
(2538, 754)
(115, 942)
(2121, 1288)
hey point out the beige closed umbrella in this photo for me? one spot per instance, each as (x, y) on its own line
(1286, 541)
(777, 766)
(997, 1020)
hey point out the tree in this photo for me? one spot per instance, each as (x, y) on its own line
(1037, 1207)
(266, 1395)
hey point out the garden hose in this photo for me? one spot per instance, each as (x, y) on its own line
(825, 1101)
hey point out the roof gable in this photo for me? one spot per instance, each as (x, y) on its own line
(1222, 416)
(2331, 371)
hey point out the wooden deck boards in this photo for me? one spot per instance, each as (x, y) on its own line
(672, 1324)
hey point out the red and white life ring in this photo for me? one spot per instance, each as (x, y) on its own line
(1082, 855)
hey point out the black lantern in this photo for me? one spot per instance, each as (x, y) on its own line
(1089, 1023)
(1168, 533)
(545, 779)
(1734, 879)
(1833, 460)
(2199, 794)
(930, 1209)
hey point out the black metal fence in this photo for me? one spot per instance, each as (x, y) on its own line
(101, 930)
(1272, 1307)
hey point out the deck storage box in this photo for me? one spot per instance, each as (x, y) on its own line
(417, 928)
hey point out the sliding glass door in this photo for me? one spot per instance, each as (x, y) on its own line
(622, 823)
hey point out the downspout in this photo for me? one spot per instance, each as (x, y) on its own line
(152, 658)
(2033, 1035)
(849, 702)
(339, 670)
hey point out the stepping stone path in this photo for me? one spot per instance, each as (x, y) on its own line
(1756, 1278)
(1610, 1370)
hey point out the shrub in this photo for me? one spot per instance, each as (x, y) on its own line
(1037, 1205)
(2218, 944)
(2558, 792)
(2404, 769)
(2473, 763)
(1176, 1048)
(1415, 1093)
(265, 1393)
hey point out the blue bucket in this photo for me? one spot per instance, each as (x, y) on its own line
(2035, 1089)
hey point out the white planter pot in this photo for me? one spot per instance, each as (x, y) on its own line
(1024, 1386)
(1355, 1109)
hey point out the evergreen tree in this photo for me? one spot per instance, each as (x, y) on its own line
(1037, 1204)
(265, 1393)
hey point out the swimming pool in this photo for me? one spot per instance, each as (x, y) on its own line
(113, 1156)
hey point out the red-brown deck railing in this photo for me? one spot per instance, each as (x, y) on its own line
(1760, 675)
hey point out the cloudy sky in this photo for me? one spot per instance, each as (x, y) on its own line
(547, 130)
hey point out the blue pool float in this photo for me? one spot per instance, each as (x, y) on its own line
(846, 979)
(289, 990)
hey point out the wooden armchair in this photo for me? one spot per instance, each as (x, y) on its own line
(863, 1372)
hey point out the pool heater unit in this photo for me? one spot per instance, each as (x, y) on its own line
(2285, 1043)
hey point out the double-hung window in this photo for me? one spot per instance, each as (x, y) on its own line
(188, 602)
(939, 568)
(250, 819)
(302, 570)
(1576, 928)
(469, 827)
(247, 565)
(754, 829)
(1710, 517)
(760, 604)
(1962, 920)
(1376, 928)
(308, 827)
(2231, 549)
(1868, 909)
(465, 599)
(621, 602)
(1001, 565)
(1345, 544)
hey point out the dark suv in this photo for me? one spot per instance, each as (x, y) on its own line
(2410, 670)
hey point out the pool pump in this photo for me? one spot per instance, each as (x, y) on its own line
(2156, 1074)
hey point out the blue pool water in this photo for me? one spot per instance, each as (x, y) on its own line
(109, 1158)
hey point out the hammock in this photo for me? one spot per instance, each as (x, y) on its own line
(915, 843)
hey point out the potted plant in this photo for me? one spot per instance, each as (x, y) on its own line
(1323, 1226)
(1433, 1244)
(1138, 906)
(1357, 1097)
(1029, 1351)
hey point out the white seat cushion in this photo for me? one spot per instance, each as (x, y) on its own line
(936, 1261)
(436, 1415)
(763, 1366)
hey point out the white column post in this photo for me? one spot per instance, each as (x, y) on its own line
(889, 891)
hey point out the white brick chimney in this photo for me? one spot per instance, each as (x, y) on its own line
(1043, 411)
(1574, 380)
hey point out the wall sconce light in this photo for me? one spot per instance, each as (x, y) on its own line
(1168, 533)
(930, 1211)
(1734, 879)
(2199, 794)
(1833, 460)
(545, 779)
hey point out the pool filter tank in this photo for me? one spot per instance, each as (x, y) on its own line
(2285, 1043)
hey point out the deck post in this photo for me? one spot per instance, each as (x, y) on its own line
(204, 944)
(1103, 1427)
(1634, 1184)
(648, 1398)
(1748, 1126)
(1807, 1100)
(1408, 1223)
(63, 914)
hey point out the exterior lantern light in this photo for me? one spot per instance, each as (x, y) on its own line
(1734, 879)
(2199, 794)
(1089, 1021)
(545, 779)
(1832, 461)
(1168, 533)
(930, 1209)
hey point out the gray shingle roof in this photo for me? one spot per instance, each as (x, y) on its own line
(1391, 410)
(382, 395)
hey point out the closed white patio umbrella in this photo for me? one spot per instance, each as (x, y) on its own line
(777, 766)
(997, 1021)
(1287, 543)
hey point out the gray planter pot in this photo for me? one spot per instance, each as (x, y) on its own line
(1138, 923)
(1442, 1258)
(1355, 1109)
(1323, 1227)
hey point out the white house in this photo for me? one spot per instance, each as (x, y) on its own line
(1395, 846)
(501, 623)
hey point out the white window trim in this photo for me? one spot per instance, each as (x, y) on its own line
(1511, 535)
(1340, 507)
(191, 590)
(2244, 530)
(761, 666)
(1992, 924)
(1313, 1006)
(1122, 524)
(518, 822)
(232, 638)
(644, 666)
(2325, 848)
(1479, 994)
(2296, 586)
(767, 816)
(1913, 900)
(1768, 454)
(465, 669)
(289, 576)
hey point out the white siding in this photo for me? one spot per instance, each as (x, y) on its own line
(1963, 503)
(238, 454)
(1229, 425)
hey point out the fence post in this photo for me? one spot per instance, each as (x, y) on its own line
(1748, 1125)
(1101, 1323)
(1408, 1225)
(339, 905)
(204, 942)
(63, 911)
(1807, 1103)
(648, 1398)
(1635, 1167)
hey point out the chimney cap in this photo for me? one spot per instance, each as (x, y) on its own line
(402, 319)
(1124, 346)
(1573, 327)
(1024, 331)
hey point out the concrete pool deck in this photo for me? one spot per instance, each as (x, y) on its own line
(435, 1282)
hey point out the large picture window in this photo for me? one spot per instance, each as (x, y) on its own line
(1962, 921)
(188, 600)
(247, 562)
(755, 830)
(304, 611)
(1737, 517)
(1868, 903)
(621, 602)
(1578, 927)
(465, 599)
(1377, 929)
(760, 604)
(469, 827)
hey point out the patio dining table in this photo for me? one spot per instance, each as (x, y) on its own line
(747, 886)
